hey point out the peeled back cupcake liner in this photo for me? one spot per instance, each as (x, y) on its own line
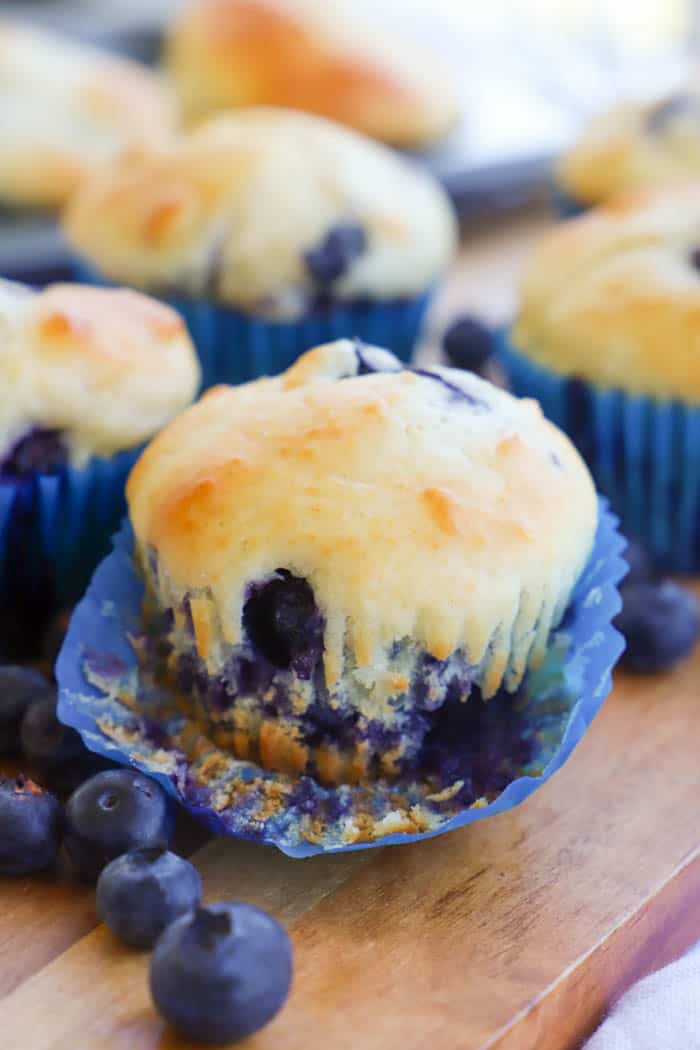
(235, 347)
(643, 453)
(107, 694)
(56, 528)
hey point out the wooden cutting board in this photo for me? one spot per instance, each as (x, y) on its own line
(515, 933)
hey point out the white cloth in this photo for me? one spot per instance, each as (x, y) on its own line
(662, 1012)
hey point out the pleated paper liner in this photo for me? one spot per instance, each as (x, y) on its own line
(54, 530)
(107, 694)
(643, 453)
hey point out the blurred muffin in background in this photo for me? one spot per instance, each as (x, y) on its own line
(633, 146)
(314, 55)
(66, 108)
(270, 230)
(87, 376)
(607, 339)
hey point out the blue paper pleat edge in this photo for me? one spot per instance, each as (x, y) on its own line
(645, 454)
(73, 515)
(112, 605)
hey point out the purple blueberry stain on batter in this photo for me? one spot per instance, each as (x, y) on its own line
(363, 366)
(105, 665)
(456, 392)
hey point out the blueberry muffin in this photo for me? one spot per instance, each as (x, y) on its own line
(266, 227)
(313, 56)
(607, 337)
(88, 376)
(632, 147)
(66, 108)
(343, 562)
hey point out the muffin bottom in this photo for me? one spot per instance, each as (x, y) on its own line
(122, 712)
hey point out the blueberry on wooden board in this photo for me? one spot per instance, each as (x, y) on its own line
(641, 566)
(140, 893)
(660, 624)
(112, 813)
(222, 972)
(30, 827)
(46, 742)
(19, 688)
(55, 753)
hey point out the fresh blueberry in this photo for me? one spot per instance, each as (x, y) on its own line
(336, 253)
(46, 742)
(55, 753)
(112, 813)
(468, 344)
(41, 451)
(140, 893)
(30, 827)
(282, 621)
(660, 623)
(641, 567)
(19, 688)
(222, 972)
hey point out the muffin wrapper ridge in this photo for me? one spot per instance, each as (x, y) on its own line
(106, 695)
(55, 529)
(235, 347)
(644, 454)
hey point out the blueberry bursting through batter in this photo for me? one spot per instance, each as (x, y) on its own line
(270, 705)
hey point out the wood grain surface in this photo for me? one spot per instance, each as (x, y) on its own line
(515, 933)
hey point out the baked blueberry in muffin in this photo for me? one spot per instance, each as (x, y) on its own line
(66, 109)
(344, 563)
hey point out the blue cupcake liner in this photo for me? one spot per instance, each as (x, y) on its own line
(643, 453)
(103, 694)
(235, 347)
(56, 528)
